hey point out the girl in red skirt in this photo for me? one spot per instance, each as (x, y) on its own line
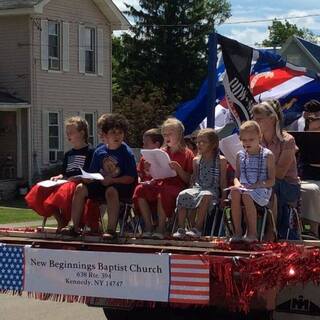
(56, 201)
(164, 192)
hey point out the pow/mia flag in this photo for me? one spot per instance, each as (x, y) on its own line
(237, 59)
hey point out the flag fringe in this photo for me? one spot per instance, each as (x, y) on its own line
(55, 297)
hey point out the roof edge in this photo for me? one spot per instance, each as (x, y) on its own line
(17, 12)
(306, 50)
(301, 46)
(119, 21)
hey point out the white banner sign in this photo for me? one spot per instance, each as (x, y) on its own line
(98, 274)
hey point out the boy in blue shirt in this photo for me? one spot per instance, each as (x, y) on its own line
(115, 161)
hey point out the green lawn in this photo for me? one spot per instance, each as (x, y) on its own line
(13, 215)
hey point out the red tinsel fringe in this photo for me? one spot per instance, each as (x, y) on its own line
(276, 265)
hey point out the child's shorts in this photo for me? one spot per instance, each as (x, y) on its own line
(97, 191)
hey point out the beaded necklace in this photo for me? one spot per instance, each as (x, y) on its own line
(260, 160)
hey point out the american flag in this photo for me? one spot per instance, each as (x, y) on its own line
(75, 162)
(11, 267)
(189, 279)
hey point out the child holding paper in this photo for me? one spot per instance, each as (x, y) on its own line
(152, 139)
(55, 201)
(164, 192)
(255, 176)
(116, 162)
(209, 182)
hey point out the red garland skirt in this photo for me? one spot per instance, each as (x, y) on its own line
(47, 201)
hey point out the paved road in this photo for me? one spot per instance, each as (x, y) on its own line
(23, 308)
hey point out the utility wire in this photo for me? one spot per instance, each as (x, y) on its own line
(268, 20)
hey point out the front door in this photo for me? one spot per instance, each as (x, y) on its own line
(8, 145)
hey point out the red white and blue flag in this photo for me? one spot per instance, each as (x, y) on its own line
(189, 279)
(246, 76)
(258, 75)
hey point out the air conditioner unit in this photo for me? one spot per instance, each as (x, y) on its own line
(53, 156)
(60, 155)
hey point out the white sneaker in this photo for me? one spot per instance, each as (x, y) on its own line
(158, 236)
(179, 234)
(194, 233)
(147, 235)
(236, 239)
(249, 239)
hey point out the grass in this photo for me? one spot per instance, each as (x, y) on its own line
(16, 215)
(15, 211)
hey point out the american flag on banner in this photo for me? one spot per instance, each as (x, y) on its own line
(189, 279)
(11, 267)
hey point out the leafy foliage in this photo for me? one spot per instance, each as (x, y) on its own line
(144, 109)
(168, 45)
(279, 33)
(164, 59)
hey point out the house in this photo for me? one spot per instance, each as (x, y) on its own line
(55, 62)
(302, 53)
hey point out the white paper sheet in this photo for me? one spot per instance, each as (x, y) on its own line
(51, 183)
(242, 189)
(159, 161)
(90, 176)
(230, 146)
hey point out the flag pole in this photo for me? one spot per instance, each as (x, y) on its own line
(212, 75)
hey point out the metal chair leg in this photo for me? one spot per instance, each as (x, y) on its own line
(264, 223)
(221, 227)
(124, 219)
(174, 224)
(215, 220)
(44, 221)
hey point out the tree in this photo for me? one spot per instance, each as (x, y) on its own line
(144, 110)
(168, 46)
(279, 33)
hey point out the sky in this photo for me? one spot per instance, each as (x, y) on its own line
(248, 10)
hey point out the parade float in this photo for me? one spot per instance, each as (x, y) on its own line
(132, 274)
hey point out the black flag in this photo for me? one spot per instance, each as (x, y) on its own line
(237, 59)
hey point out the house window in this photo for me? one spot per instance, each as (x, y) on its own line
(54, 38)
(54, 136)
(90, 50)
(90, 117)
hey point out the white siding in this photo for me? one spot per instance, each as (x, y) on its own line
(72, 91)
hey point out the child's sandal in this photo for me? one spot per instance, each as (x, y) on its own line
(109, 235)
(70, 231)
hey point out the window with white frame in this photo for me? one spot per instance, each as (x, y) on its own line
(54, 135)
(90, 49)
(90, 117)
(54, 45)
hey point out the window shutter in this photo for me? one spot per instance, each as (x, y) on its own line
(44, 45)
(61, 129)
(100, 51)
(82, 50)
(45, 137)
(65, 47)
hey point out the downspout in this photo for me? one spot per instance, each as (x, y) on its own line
(30, 132)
